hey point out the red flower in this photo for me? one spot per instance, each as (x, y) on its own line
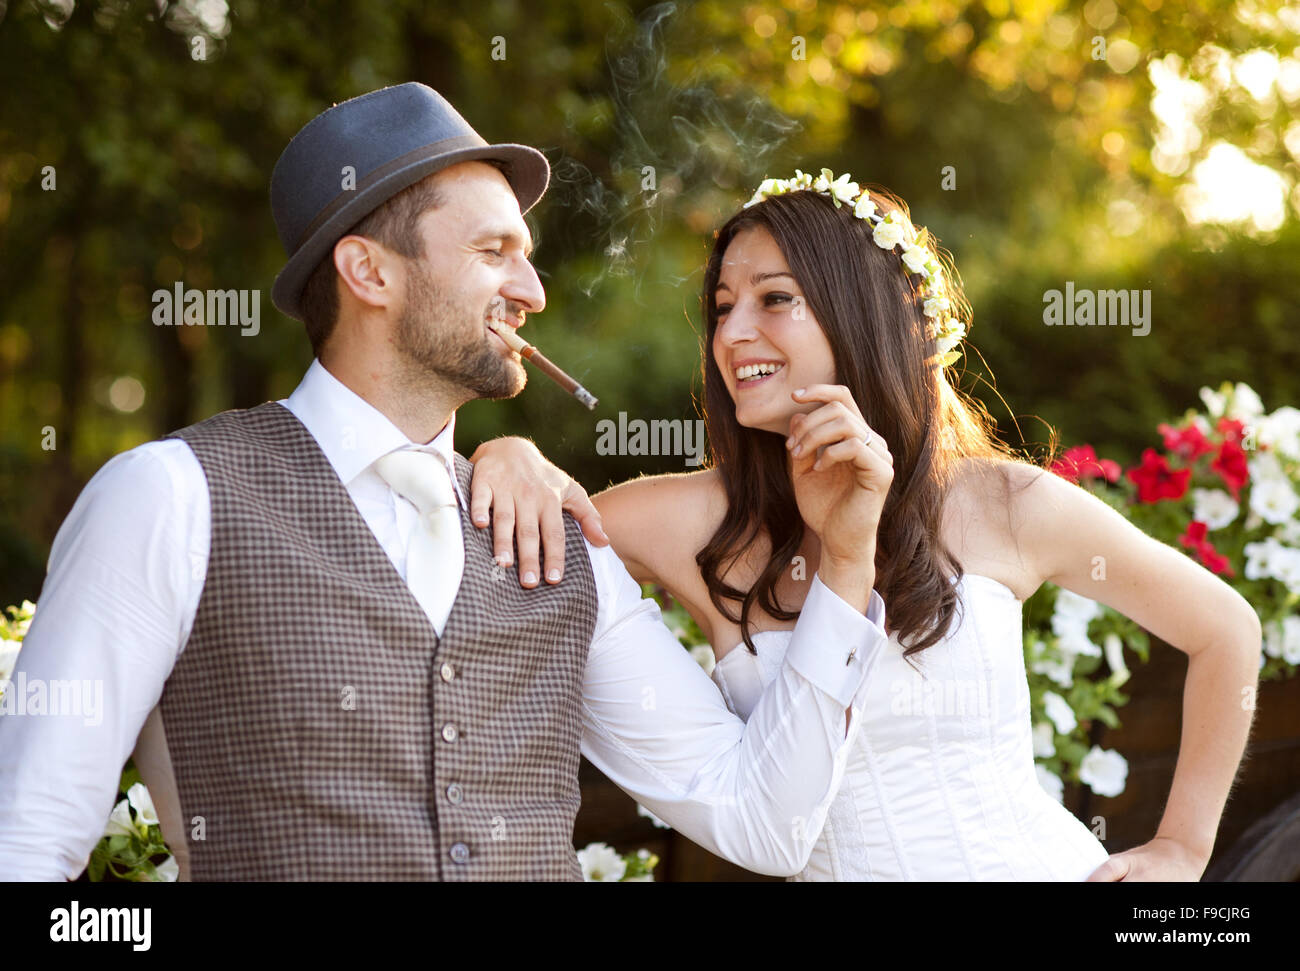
(1156, 481)
(1231, 430)
(1189, 442)
(1214, 561)
(1230, 464)
(1081, 462)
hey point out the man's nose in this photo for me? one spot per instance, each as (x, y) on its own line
(525, 290)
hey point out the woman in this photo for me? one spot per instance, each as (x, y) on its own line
(830, 324)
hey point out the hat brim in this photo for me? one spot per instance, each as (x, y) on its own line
(525, 168)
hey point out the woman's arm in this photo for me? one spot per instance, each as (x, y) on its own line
(1073, 539)
(654, 520)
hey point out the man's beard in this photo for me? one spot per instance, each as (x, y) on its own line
(431, 339)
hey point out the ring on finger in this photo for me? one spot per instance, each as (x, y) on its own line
(870, 435)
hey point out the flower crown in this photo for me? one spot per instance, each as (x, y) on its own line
(891, 230)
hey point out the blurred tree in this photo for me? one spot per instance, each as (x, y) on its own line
(1078, 142)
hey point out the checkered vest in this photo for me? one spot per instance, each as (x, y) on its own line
(318, 727)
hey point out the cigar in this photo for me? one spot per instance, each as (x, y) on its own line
(525, 349)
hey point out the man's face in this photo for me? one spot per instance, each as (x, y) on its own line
(475, 265)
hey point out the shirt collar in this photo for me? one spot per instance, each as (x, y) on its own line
(352, 432)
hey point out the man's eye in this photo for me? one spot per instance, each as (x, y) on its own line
(498, 253)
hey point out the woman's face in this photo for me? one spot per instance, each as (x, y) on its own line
(766, 343)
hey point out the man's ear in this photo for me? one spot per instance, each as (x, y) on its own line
(368, 270)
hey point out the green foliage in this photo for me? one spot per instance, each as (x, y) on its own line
(163, 155)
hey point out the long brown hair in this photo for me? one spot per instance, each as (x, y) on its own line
(869, 307)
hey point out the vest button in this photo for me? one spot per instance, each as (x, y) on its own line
(449, 732)
(448, 672)
(459, 853)
(455, 793)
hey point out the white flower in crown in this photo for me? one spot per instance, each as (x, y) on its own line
(951, 335)
(936, 306)
(840, 190)
(890, 231)
(916, 257)
(768, 187)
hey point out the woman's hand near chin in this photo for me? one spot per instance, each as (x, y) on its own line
(840, 484)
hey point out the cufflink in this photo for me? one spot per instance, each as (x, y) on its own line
(852, 654)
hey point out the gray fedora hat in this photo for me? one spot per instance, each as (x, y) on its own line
(391, 138)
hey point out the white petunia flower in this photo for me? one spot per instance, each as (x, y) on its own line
(1114, 647)
(1291, 639)
(1214, 507)
(1070, 619)
(1105, 772)
(1062, 672)
(1290, 533)
(119, 821)
(1265, 467)
(1260, 558)
(1273, 637)
(1044, 742)
(1072, 638)
(1286, 567)
(1050, 782)
(1274, 500)
(1215, 402)
(1246, 406)
(601, 863)
(1282, 639)
(140, 800)
(1281, 431)
(1071, 604)
(1060, 712)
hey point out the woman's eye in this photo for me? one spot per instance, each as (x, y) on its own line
(774, 298)
(723, 309)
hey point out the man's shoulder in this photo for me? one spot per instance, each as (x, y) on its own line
(237, 421)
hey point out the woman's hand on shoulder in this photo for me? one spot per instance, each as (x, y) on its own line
(526, 497)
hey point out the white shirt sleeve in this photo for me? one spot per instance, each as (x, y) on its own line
(755, 793)
(120, 595)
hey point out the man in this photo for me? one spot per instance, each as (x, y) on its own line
(322, 671)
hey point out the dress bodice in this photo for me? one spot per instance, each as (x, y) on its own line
(940, 781)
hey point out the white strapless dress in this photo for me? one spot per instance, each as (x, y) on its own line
(940, 781)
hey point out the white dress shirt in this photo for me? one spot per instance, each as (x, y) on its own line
(122, 588)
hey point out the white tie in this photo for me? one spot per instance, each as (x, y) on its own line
(435, 561)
